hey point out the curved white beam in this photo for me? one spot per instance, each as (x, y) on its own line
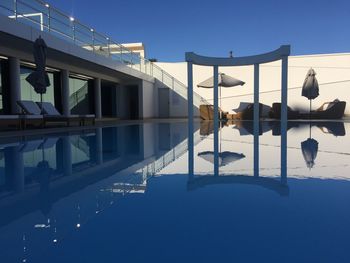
(277, 54)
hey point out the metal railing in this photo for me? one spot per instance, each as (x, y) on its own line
(46, 18)
(153, 168)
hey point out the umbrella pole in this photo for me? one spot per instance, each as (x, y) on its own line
(41, 103)
(310, 111)
(220, 103)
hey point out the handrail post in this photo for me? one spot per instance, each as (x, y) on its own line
(109, 47)
(48, 18)
(73, 31)
(15, 8)
(93, 40)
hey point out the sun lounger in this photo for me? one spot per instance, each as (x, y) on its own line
(31, 109)
(328, 111)
(10, 121)
(207, 112)
(30, 146)
(49, 109)
(245, 111)
(275, 112)
(49, 142)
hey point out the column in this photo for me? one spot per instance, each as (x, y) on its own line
(216, 120)
(15, 84)
(65, 92)
(256, 119)
(97, 91)
(67, 156)
(99, 146)
(284, 119)
(14, 167)
(190, 119)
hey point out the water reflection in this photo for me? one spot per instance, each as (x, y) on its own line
(309, 149)
(56, 185)
(38, 173)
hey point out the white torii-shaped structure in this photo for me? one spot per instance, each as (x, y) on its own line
(280, 54)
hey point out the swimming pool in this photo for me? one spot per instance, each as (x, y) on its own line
(123, 194)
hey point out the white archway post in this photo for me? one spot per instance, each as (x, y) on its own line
(256, 119)
(190, 118)
(280, 54)
(284, 118)
(216, 119)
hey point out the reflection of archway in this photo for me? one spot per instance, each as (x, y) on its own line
(268, 183)
(280, 54)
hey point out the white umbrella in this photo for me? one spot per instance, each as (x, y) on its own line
(223, 81)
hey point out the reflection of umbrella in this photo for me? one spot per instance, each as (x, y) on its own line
(223, 81)
(224, 157)
(310, 88)
(309, 149)
(39, 78)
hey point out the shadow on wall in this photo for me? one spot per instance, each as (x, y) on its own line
(172, 104)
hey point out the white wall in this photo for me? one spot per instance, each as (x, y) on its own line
(333, 74)
(149, 100)
(177, 103)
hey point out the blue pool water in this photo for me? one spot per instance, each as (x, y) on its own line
(123, 194)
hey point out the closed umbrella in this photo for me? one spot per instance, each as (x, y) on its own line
(39, 78)
(310, 88)
(309, 149)
(224, 158)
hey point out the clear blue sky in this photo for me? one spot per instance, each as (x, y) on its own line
(214, 27)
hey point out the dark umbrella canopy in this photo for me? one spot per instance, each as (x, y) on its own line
(224, 158)
(310, 87)
(39, 78)
(309, 149)
(224, 81)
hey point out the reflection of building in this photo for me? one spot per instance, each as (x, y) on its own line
(86, 173)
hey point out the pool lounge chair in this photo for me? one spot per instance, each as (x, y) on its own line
(328, 111)
(245, 111)
(207, 112)
(33, 112)
(275, 112)
(50, 110)
(8, 121)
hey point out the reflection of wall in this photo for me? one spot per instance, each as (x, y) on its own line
(79, 100)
